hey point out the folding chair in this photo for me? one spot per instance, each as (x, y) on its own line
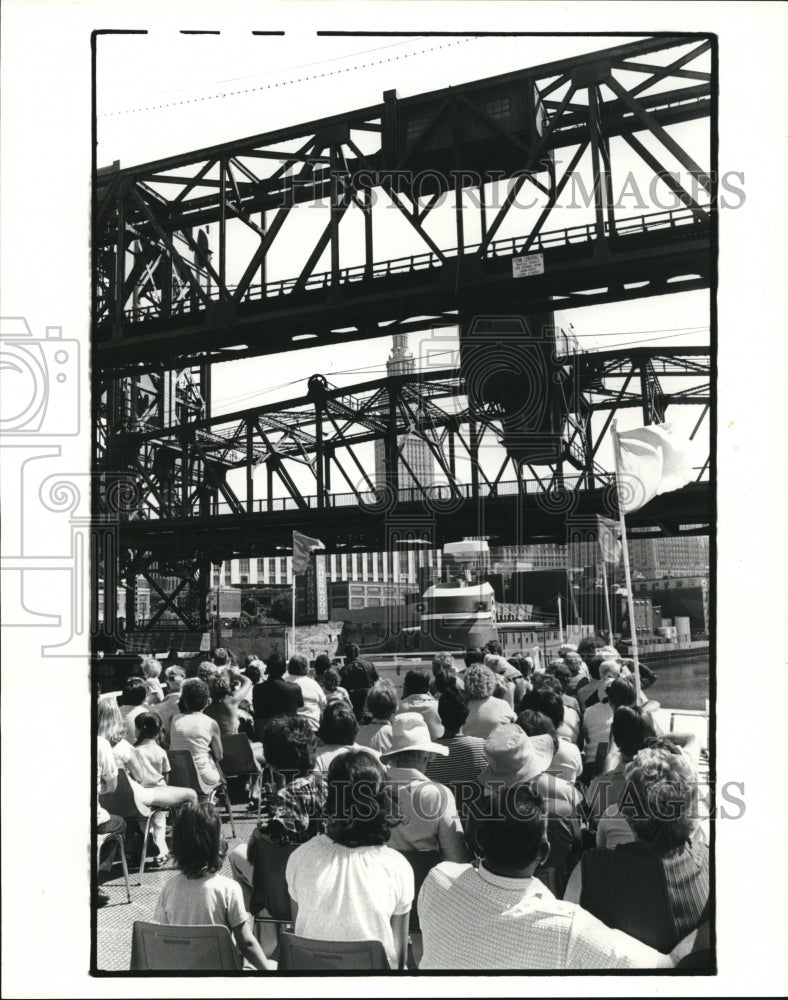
(183, 773)
(198, 948)
(422, 862)
(269, 886)
(121, 802)
(307, 955)
(238, 760)
(103, 838)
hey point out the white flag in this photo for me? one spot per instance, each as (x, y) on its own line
(652, 460)
(303, 545)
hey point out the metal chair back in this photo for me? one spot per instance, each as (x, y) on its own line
(308, 954)
(172, 947)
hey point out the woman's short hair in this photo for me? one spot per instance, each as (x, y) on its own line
(544, 698)
(360, 805)
(631, 728)
(338, 724)
(660, 801)
(416, 682)
(322, 664)
(609, 668)
(535, 723)
(197, 843)
(220, 688)
(276, 666)
(252, 671)
(220, 656)
(298, 665)
(493, 646)
(194, 695)
(473, 655)
(382, 699)
(150, 667)
(330, 679)
(441, 662)
(561, 672)
(452, 709)
(110, 721)
(134, 692)
(479, 682)
(206, 671)
(620, 692)
(289, 744)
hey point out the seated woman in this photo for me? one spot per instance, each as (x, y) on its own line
(132, 702)
(198, 894)
(228, 689)
(567, 762)
(195, 732)
(347, 884)
(485, 712)
(630, 731)
(328, 679)
(382, 703)
(333, 689)
(145, 780)
(657, 888)
(337, 733)
(293, 803)
(314, 699)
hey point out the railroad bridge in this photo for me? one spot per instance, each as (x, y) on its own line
(193, 266)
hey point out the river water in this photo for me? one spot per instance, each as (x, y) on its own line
(681, 684)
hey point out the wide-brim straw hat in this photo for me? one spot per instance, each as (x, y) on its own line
(513, 756)
(409, 732)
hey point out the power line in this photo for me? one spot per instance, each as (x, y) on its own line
(369, 369)
(283, 83)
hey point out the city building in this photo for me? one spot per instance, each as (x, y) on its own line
(415, 452)
(383, 567)
(678, 597)
(356, 594)
(682, 555)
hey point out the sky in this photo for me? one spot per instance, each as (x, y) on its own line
(164, 92)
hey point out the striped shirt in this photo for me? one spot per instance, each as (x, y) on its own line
(465, 762)
(473, 919)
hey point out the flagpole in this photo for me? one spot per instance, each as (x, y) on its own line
(627, 576)
(292, 629)
(560, 622)
(607, 601)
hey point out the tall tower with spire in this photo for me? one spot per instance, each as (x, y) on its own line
(413, 449)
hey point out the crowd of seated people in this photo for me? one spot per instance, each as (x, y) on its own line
(535, 798)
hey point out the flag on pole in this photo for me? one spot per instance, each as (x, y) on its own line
(609, 540)
(651, 460)
(303, 545)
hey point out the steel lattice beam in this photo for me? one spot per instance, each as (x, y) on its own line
(162, 294)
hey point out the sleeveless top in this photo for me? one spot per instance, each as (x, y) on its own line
(655, 896)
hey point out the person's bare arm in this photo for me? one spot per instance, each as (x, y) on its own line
(250, 948)
(574, 886)
(241, 693)
(216, 743)
(399, 929)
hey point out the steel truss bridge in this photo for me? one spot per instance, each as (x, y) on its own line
(170, 301)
